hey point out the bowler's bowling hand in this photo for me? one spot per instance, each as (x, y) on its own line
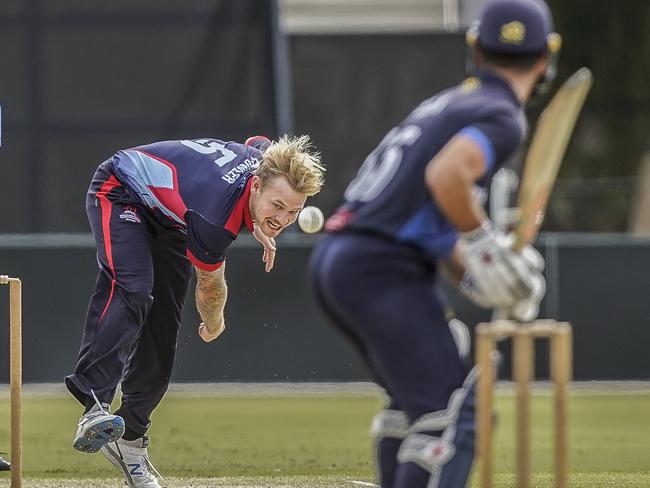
(269, 247)
(210, 334)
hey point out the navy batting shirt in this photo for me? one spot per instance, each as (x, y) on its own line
(389, 196)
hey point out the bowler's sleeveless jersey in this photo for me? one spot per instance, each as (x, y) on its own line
(200, 186)
(389, 196)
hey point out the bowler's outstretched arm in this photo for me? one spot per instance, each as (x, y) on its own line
(211, 294)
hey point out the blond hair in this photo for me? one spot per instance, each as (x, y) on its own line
(292, 158)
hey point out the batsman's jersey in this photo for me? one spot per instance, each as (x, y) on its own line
(200, 186)
(389, 196)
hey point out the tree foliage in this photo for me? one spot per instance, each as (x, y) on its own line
(612, 38)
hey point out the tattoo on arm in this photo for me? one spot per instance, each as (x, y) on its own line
(211, 294)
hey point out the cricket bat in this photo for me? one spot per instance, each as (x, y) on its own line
(547, 148)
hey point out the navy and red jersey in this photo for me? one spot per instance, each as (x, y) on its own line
(389, 196)
(200, 186)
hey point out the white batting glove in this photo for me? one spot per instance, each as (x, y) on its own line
(496, 276)
(528, 309)
(471, 290)
(531, 255)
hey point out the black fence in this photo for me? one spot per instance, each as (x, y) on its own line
(276, 333)
(80, 80)
(83, 79)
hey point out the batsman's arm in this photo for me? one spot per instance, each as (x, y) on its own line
(211, 295)
(493, 276)
(450, 177)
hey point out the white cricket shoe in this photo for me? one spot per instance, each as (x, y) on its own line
(96, 428)
(131, 458)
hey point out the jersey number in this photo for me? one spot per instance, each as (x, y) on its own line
(211, 146)
(381, 165)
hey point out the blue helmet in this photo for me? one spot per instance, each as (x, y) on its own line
(517, 27)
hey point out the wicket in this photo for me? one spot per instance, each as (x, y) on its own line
(523, 337)
(15, 374)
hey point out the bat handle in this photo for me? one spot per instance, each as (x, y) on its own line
(519, 244)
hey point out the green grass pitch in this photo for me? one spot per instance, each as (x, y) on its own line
(256, 440)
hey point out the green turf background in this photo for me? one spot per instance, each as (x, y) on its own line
(327, 435)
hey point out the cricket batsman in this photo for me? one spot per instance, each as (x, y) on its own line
(415, 209)
(156, 212)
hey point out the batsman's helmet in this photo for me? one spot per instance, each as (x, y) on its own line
(517, 27)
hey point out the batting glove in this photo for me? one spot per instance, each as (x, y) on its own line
(496, 276)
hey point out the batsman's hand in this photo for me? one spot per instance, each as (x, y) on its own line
(528, 309)
(496, 276)
(210, 334)
(268, 257)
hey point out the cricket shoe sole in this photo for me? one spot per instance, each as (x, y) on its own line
(98, 432)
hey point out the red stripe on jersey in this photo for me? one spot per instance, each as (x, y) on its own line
(200, 264)
(107, 209)
(241, 212)
(170, 197)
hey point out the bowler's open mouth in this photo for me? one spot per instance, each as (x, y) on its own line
(273, 225)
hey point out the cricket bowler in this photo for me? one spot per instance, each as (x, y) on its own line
(158, 211)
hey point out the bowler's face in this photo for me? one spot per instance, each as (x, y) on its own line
(276, 205)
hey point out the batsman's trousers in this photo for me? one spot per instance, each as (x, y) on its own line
(380, 294)
(133, 319)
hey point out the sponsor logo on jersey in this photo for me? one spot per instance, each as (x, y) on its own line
(246, 166)
(130, 214)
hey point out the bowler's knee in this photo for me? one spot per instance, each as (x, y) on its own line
(137, 297)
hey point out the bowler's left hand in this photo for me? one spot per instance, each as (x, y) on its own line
(269, 247)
